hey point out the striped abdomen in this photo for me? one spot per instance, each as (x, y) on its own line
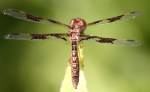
(75, 64)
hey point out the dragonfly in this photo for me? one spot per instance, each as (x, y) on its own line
(75, 34)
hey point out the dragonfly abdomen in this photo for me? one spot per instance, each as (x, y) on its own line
(75, 64)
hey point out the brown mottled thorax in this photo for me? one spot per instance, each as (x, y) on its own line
(78, 25)
(34, 18)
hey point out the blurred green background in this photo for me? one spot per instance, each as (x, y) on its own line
(39, 66)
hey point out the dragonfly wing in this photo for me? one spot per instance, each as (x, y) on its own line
(28, 17)
(115, 41)
(27, 36)
(129, 15)
(16, 36)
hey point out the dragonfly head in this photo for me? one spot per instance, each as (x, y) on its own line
(78, 24)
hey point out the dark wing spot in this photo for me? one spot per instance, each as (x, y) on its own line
(95, 22)
(87, 37)
(39, 36)
(106, 40)
(57, 22)
(34, 18)
(54, 21)
(115, 18)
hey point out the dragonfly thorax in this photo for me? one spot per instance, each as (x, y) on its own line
(78, 25)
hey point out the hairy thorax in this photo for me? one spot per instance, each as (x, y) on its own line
(77, 25)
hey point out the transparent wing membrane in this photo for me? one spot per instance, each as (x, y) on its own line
(64, 36)
(17, 36)
(27, 36)
(110, 40)
(126, 16)
(28, 17)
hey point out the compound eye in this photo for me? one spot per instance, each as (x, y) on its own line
(80, 23)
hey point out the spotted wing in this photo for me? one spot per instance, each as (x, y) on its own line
(28, 17)
(27, 36)
(130, 15)
(109, 40)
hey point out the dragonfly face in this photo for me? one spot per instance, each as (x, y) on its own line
(78, 24)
